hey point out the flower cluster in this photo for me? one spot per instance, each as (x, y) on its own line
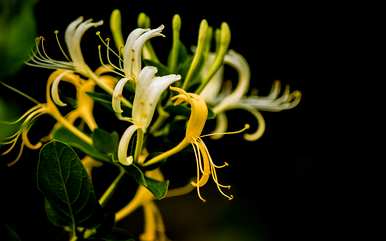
(149, 96)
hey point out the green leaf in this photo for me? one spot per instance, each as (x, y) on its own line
(70, 197)
(158, 188)
(106, 142)
(162, 69)
(65, 136)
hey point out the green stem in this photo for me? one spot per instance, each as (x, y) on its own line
(168, 153)
(162, 116)
(58, 117)
(110, 190)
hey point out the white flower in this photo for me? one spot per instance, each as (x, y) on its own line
(73, 36)
(147, 94)
(133, 50)
(223, 101)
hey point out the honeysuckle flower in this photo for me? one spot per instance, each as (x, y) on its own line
(26, 120)
(154, 228)
(205, 165)
(73, 36)
(85, 104)
(223, 101)
(147, 93)
(132, 50)
(49, 108)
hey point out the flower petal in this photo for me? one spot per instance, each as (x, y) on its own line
(124, 146)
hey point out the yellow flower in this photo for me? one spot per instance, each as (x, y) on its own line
(205, 165)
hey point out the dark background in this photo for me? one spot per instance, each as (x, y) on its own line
(285, 183)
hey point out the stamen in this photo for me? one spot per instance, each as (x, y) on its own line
(21, 117)
(108, 55)
(60, 46)
(18, 156)
(14, 141)
(98, 33)
(246, 127)
(104, 64)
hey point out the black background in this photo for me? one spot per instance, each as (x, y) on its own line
(285, 183)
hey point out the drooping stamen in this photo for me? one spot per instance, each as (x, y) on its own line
(17, 157)
(246, 127)
(21, 117)
(107, 45)
(104, 64)
(37, 59)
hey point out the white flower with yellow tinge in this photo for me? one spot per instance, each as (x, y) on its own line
(132, 50)
(73, 37)
(227, 99)
(205, 165)
(147, 93)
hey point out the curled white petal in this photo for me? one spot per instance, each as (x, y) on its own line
(128, 52)
(124, 146)
(133, 50)
(55, 89)
(117, 95)
(286, 101)
(238, 62)
(275, 91)
(146, 99)
(138, 46)
(145, 78)
(73, 36)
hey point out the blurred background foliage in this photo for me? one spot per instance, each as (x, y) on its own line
(17, 32)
